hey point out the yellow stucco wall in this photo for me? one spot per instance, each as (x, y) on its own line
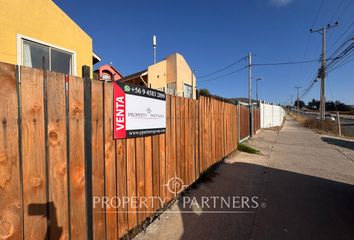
(46, 22)
(184, 74)
(173, 69)
(157, 74)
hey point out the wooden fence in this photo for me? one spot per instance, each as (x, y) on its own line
(244, 121)
(51, 139)
(256, 119)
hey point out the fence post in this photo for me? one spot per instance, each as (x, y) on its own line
(339, 127)
(199, 132)
(88, 148)
(239, 121)
(251, 119)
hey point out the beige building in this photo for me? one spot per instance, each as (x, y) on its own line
(172, 75)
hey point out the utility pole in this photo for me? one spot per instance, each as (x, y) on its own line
(291, 100)
(298, 100)
(322, 72)
(250, 90)
(258, 79)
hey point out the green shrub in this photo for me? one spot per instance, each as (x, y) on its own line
(245, 148)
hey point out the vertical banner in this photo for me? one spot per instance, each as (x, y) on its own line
(138, 111)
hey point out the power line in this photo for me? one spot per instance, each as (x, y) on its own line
(341, 65)
(222, 76)
(223, 68)
(337, 9)
(317, 14)
(343, 54)
(285, 63)
(343, 33)
(307, 90)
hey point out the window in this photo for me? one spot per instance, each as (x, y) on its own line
(106, 76)
(188, 92)
(55, 60)
(171, 88)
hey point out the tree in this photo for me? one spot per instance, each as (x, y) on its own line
(301, 103)
(330, 105)
(204, 92)
(314, 104)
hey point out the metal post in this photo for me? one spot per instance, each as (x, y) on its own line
(298, 100)
(88, 149)
(339, 127)
(258, 79)
(291, 101)
(257, 90)
(250, 90)
(154, 48)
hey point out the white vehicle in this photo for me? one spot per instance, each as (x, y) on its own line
(327, 117)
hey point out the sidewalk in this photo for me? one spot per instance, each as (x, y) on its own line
(305, 181)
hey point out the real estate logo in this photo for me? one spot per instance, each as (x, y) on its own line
(175, 185)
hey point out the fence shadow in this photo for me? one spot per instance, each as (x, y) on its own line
(339, 142)
(47, 210)
(294, 206)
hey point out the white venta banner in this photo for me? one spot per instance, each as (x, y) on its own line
(138, 111)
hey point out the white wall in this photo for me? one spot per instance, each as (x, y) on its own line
(271, 115)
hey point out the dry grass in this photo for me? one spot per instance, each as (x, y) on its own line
(326, 126)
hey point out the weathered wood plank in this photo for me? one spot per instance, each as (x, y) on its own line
(98, 165)
(110, 163)
(162, 166)
(178, 129)
(33, 154)
(148, 176)
(155, 171)
(131, 183)
(10, 195)
(186, 141)
(122, 186)
(201, 134)
(140, 177)
(173, 141)
(57, 160)
(76, 159)
(182, 141)
(196, 121)
(169, 164)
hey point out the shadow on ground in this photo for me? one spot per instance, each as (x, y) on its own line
(339, 142)
(297, 206)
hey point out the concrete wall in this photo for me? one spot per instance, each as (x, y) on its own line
(271, 115)
(44, 21)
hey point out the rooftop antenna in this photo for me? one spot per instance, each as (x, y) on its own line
(154, 47)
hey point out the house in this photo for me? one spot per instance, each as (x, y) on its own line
(107, 72)
(171, 75)
(37, 29)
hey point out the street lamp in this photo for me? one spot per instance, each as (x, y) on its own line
(258, 79)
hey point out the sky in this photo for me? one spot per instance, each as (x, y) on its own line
(213, 34)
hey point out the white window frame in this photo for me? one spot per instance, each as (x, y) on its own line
(189, 85)
(20, 39)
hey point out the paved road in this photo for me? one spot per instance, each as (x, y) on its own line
(305, 182)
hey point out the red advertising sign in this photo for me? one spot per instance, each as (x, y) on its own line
(119, 112)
